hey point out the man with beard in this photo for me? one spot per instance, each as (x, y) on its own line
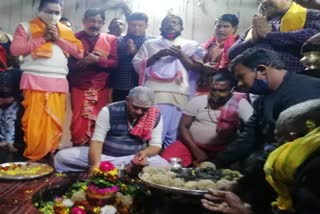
(125, 78)
(263, 72)
(163, 65)
(282, 26)
(89, 76)
(209, 122)
(126, 131)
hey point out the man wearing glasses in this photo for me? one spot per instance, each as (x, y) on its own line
(166, 65)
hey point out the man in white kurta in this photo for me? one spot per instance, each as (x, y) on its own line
(163, 64)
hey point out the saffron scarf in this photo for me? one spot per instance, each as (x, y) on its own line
(283, 162)
(294, 19)
(37, 27)
(146, 123)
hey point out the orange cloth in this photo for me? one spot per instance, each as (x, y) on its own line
(37, 27)
(42, 122)
(102, 46)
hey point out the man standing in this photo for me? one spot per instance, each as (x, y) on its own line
(263, 72)
(125, 78)
(125, 131)
(282, 26)
(45, 44)
(210, 122)
(116, 27)
(219, 44)
(163, 65)
(89, 76)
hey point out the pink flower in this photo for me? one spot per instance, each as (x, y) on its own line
(106, 166)
(102, 191)
(78, 210)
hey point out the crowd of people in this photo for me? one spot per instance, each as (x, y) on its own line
(244, 102)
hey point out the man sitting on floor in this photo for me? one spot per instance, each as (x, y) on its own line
(124, 130)
(210, 122)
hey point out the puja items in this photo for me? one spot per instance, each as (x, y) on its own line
(103, 181)
(192, 181)
(101, 193)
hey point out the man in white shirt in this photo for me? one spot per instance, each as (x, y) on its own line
(126, 130)
(210, 122)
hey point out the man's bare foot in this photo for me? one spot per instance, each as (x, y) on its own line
(12, 148)
(3, 144)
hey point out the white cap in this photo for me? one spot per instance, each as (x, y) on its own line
(142, 96)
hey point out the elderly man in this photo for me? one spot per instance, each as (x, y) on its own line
(163, 65)
(125, 78)
(45, 44)
(282, 26)
(219, 44)
(210, 122)
(89, 76)
(125, 130)
(264, 72)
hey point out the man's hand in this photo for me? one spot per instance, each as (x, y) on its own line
(52, 29)
(224, 202)
(132, 48)
(47, 35)
(199, 156)
(87, 60)
(260, 26)
(140, 159)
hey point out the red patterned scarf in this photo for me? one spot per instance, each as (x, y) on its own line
(143, 128)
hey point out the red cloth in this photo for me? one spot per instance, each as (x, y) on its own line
(3, 59)
(143, 128)
(86, 104)
(94, 75)
(226, 46)
(179, 150)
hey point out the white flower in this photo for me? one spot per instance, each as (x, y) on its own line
(108, 209)
(67, 202)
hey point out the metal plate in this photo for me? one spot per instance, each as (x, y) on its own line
(24, 170)
(173, 189)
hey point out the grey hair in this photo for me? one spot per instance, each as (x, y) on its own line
(142, 96)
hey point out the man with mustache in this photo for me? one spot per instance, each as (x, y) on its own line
(89, 76)
(210, 122)
(282, 26)
(45, 45)
(163, 65)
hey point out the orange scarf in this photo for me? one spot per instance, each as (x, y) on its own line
(143, 128)
(37, 27)
(102, 46)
